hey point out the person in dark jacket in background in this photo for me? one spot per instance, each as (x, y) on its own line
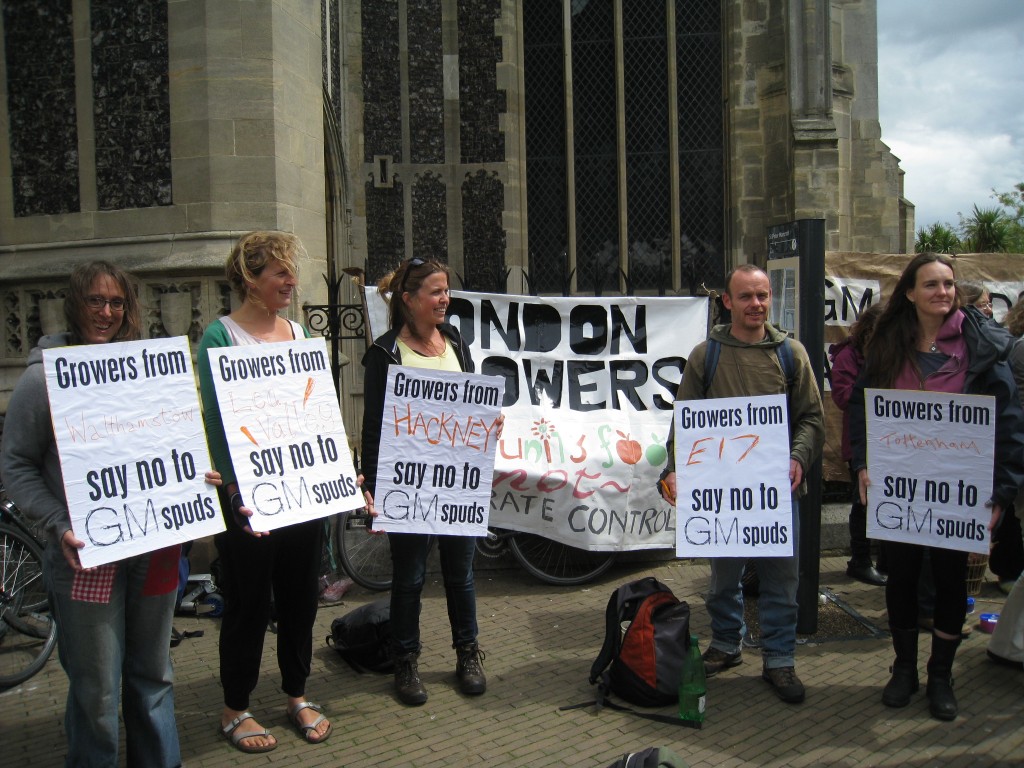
(847, 360)
(925, 341)
(1006, 647)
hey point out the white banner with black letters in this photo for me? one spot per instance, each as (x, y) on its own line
(589, 387)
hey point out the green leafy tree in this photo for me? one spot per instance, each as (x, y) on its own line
(1014, 201)
(987, 230)
(937, 238)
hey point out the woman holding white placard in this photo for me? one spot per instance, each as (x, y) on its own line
(417, 295)
(262, 270)
(924, 340)
(114, 620)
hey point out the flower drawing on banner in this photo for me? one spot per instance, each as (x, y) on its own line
(544, 430)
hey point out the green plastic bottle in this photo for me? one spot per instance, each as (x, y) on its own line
(693, 686)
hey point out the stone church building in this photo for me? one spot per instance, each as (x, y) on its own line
(537, 146)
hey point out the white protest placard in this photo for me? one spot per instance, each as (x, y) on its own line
(132, 448)
(284, 431)
(437, 443)
(732, 477)
(930, 459)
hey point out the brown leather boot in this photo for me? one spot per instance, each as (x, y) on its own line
(470, 669)
(408, 685)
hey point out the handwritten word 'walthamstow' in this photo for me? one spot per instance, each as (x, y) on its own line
(445, 428)
(912, 442)
(81, 429)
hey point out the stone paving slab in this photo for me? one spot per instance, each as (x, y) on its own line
(540, 642)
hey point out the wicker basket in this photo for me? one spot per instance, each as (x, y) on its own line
(976, 567)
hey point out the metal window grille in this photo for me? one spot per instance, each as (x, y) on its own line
(624, 145)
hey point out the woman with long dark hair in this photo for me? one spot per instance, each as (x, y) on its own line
(925, 341)
(113, 620)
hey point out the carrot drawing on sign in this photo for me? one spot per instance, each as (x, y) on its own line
(247, 433)
(309, 391)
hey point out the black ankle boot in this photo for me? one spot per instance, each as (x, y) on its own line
(941, 701)
(408, 686)
(470, 669)
(904, 682)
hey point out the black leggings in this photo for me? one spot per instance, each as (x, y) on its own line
(286, 562)
(949, 573)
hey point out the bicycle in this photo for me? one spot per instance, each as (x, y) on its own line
(366, 557)
(28, 632)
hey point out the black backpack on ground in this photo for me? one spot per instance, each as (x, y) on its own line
(641, 662)
(362, 637)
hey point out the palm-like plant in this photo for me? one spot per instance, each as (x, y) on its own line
(987, 230)
(938, 238)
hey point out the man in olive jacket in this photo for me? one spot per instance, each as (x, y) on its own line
(749, 365)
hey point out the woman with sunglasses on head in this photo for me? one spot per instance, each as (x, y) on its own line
(420, 337)
(114, 620)
(924, 340)
(285, 564)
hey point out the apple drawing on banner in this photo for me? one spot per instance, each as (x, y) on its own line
(629, 450)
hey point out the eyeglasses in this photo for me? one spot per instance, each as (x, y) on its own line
(984, 305)
(98, 302)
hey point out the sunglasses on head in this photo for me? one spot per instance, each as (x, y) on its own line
(415, 262)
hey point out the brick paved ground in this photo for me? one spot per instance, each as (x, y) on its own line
(540, 641)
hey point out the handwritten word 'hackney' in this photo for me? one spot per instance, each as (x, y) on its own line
(444, 428)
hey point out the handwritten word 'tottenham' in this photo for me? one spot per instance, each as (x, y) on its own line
(445, 428)
(913, 442)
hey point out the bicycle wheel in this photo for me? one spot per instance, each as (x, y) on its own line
(555, 563)
(30, 562)
(27, 636)
(365, 556)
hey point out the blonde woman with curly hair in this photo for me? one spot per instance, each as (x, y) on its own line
(262, 270)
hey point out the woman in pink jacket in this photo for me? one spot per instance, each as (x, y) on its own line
(847, 358)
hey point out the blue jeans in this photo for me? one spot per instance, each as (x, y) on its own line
(409, 560)
(117, 652)
(776, 607)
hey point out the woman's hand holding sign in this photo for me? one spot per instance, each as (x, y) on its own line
(69, 546)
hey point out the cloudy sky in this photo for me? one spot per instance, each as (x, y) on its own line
(951, 100)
